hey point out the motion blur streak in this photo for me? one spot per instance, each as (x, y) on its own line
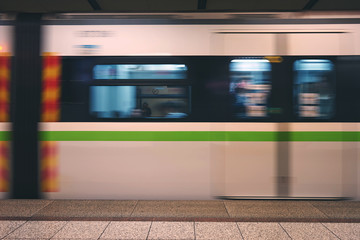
(50, 113)
(4, 117)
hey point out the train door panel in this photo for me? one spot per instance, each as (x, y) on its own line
(249, 149)
(260, 86)
(250, 167)
(348, 104)
(316, 168)
(316, 148)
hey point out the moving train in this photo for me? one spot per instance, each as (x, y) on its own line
(180, 106)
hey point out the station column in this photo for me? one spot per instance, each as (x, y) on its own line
(26, 107)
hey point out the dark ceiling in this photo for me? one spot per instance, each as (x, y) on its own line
(48, 6)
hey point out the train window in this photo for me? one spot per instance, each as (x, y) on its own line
(140, 71)
(250, 87)
(139, 91)
(139, 101)
(314, 88)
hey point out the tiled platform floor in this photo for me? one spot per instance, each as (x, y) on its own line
(246, 219)
(175, 230)
(193, 211)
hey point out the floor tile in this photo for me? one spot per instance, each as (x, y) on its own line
(28, 238)
(272, 209)
(172, 230)
(21, 208)
(74, 238)
(253, 230)
(217, 230)
(81, 230)
(180, 209)
(349, 231)
(7, 227)
(87, 208)
(37, 230)
(307, 231)
(339, 209)
(126, 230)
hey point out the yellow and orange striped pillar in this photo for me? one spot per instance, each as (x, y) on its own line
(50, 113)
(4, 166)
(4, 117)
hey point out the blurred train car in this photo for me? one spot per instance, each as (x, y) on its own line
(200, 106)
(6, 41)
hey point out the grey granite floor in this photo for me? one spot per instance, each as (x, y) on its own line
(193, 211)
(218, 219)
(175, 230)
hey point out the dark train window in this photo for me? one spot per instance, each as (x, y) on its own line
(250, 86)
(314, 88)
(140, 100)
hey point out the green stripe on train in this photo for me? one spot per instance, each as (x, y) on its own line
(5, 135)
(155, 136)
(196, 136)
(324, 136)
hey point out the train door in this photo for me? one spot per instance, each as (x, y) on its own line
(348, 72)
(319, 156)
(247, 159)
(304, 157)
(316, 152)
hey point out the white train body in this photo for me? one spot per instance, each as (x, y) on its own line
(194, 167)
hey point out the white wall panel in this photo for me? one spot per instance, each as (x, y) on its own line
(119, 40)
(350, 164)
(316, 169)
(324, 169)
(250, 169)
(243, 169)
(314, 44)
(192, 40)
(134, 170)
(244, 44)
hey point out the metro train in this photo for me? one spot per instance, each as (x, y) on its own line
(180, 106)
